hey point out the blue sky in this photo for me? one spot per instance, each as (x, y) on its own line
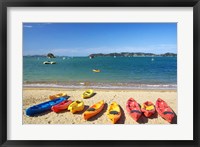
(82, 39)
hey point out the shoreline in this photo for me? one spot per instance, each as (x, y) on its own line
(34, 96)
(112, 86)
(99, 89)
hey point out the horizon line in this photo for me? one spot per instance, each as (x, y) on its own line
(97, 53)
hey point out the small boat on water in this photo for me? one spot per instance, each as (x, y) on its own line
(164, 110)
(36, 109)
(96, 70)
(93, 110)
(49, 62)
(148, 108)
(114, 112)
(61, 106)
(51, 97)
(133, 108)
(88, 93)
(76, 106)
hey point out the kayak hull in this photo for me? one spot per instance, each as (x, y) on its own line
(40, 108)
(114, 112)
(88, 93)
(52, 97)
(61, 106)
(164, 110)
(133, 108)
(93, 110)
(148, 108)
(76, 106)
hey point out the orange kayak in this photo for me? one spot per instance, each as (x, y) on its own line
(133, 109)
(164, 110)
(52, 97)
(61, 106)
(93, 110)
(148, 108)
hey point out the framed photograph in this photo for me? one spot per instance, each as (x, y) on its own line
(99, 72)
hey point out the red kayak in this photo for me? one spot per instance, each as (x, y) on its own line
(133, 109)
(164, 110)
(148, 108)
(61, 106)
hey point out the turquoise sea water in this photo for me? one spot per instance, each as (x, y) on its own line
(119, 72)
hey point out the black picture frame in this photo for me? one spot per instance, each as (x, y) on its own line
(4, 4)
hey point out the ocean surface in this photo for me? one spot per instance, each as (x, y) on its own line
(116, 73)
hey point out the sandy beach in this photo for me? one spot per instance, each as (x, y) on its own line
(33, 96)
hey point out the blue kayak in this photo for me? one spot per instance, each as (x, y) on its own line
(36, 109)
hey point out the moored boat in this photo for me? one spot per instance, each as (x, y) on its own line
(49, 62)
(96, 70)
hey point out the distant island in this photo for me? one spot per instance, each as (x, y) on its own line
(138, 54)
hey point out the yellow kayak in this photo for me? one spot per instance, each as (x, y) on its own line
(114, 112)
(93, 110)
(76, 106)
(52, 97)
(88, 93)
(96, 70)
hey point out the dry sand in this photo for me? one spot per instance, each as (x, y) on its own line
(33, 96)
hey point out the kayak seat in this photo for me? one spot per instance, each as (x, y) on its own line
(149, 107)
(135, 111)
(168, 112)
(91, 109)
(114, 112)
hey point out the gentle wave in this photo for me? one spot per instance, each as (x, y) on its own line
(102, 86)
